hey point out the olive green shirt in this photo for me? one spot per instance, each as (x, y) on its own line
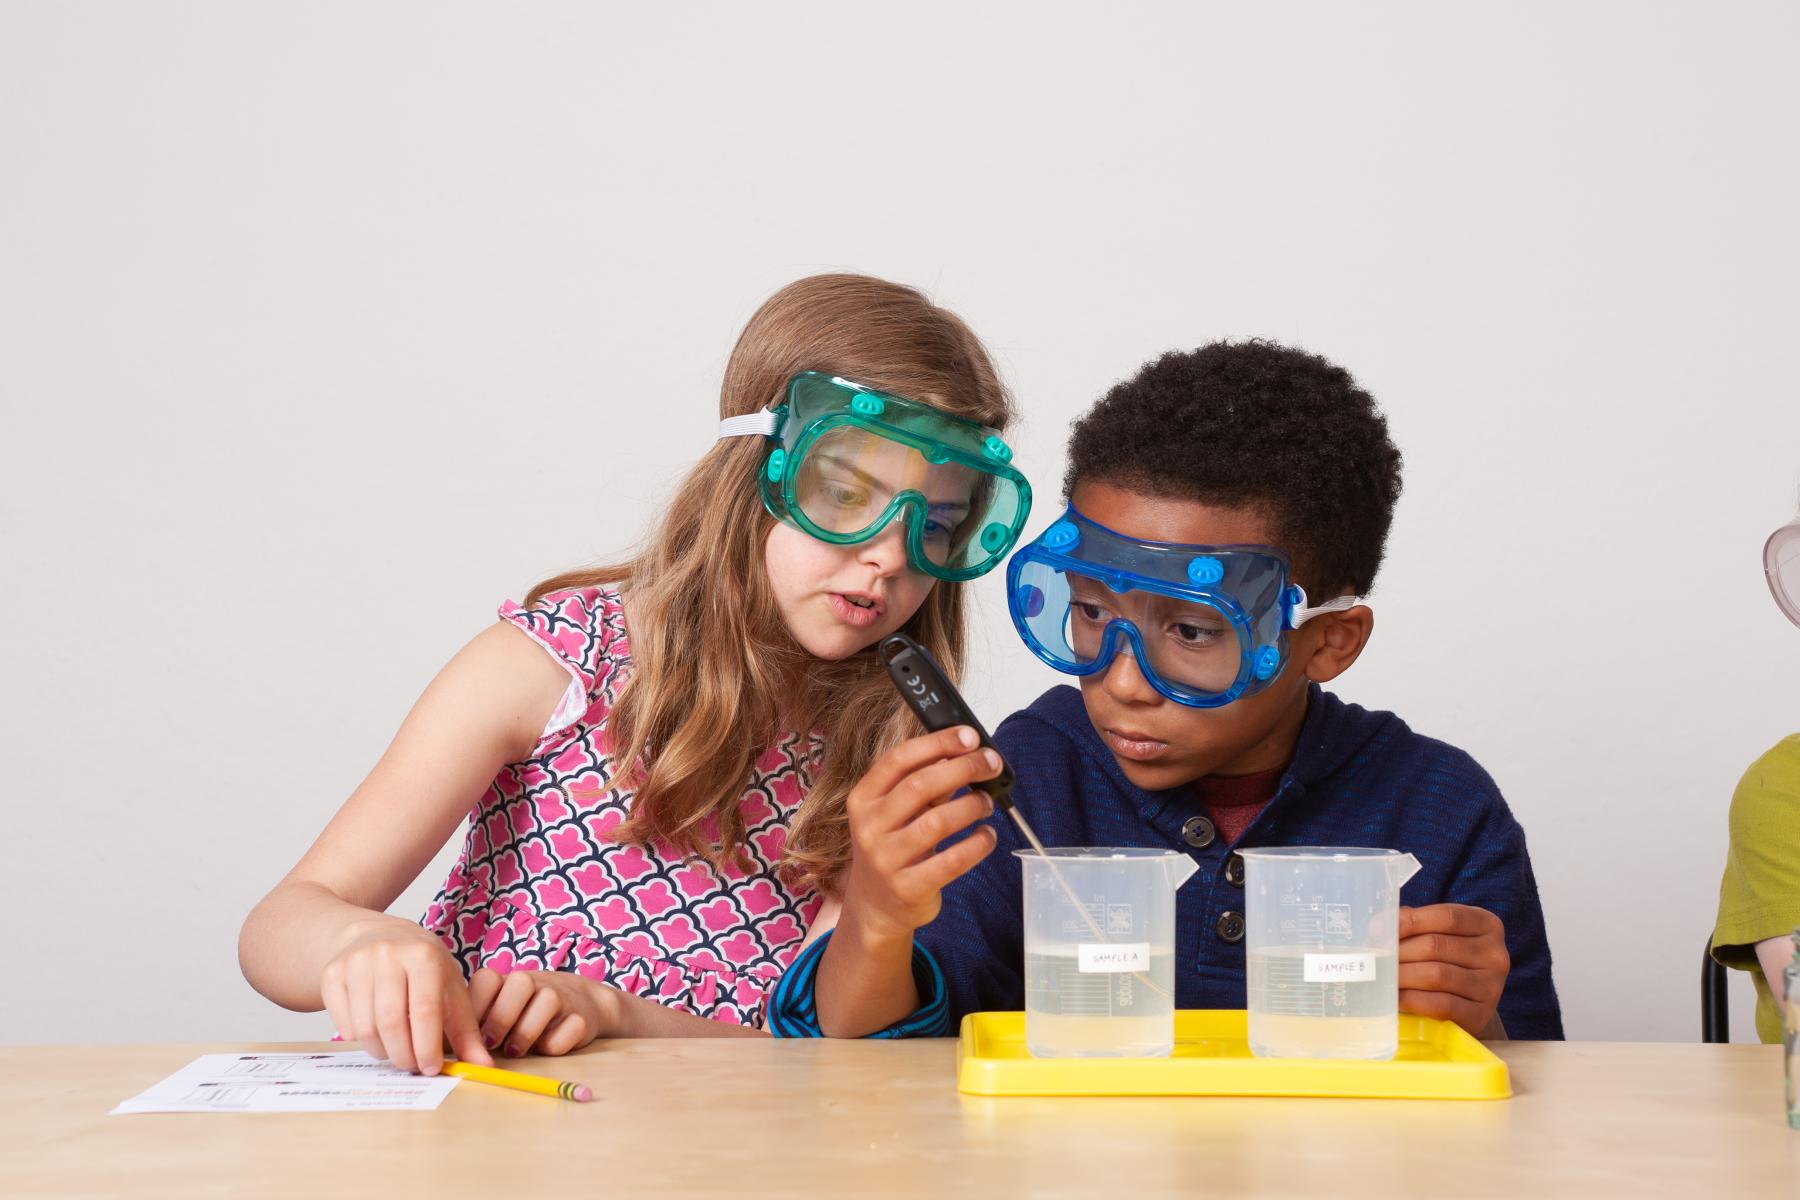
(1759, 898)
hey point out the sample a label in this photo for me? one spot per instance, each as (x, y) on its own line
(1109, 958)
(1338, 968)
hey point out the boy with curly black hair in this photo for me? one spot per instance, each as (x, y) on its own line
(1228, 511)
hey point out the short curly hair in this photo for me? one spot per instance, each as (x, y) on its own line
(1255, 425)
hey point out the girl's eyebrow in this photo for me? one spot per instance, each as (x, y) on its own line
(863, 476)
(844, 464)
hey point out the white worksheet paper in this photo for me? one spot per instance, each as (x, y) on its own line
(343, 1082)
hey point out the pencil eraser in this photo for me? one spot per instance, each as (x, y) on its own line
(583, 1092)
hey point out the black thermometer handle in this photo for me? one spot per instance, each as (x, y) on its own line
(930, 694)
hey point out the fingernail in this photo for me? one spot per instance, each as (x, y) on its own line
(490, 1042)
(991, 759)
(967, 737)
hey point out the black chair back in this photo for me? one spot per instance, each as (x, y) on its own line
(1715, 1016)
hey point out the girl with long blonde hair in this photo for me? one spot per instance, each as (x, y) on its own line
(654, 757)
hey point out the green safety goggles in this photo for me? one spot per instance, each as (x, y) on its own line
(848, 459)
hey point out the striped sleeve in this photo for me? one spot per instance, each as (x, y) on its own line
(794, 1010)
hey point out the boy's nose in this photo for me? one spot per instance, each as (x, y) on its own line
(1124, 680)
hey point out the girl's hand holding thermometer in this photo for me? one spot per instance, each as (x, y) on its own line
(906, 806)
(900, 812)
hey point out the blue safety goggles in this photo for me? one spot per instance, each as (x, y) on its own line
(1207, 624)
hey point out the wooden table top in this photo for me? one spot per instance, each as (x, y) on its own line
(780, 1118)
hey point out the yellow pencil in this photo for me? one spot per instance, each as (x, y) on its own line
(519, 1081)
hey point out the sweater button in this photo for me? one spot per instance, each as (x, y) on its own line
(1234, 869)
(1231, 927)
(1198, 832)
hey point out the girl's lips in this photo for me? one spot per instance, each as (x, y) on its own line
(852, 615)
(1136, 749)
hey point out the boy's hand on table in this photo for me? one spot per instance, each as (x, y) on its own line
(541, 1012)
(1453, 965)
(395, 989)
(899, 812)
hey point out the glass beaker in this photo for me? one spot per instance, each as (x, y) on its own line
(1322, 946)
(1100, 951)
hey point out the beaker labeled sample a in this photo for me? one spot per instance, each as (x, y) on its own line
(1100, 951)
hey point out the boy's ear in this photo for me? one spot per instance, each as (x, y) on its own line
(1340, 640)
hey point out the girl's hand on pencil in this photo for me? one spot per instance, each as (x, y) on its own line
(899, 813)
(541, 1012)
(395, 989)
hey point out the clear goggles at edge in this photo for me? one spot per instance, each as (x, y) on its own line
(1781, 563)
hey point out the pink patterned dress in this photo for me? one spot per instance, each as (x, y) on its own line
(541, 886)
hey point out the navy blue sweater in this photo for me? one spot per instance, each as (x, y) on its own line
(1358, 778)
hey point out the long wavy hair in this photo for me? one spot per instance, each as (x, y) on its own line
(716, 678)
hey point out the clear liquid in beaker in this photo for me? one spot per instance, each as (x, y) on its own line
(1076, 1014)
(1291, 1016)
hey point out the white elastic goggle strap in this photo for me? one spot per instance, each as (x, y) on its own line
(763, 422)
(1301, 613)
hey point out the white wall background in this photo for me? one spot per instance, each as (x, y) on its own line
(324, 327)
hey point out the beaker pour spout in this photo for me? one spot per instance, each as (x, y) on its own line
(1401, 868)
(1181, 869)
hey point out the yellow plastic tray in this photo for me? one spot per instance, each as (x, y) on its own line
(1437, 1061)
